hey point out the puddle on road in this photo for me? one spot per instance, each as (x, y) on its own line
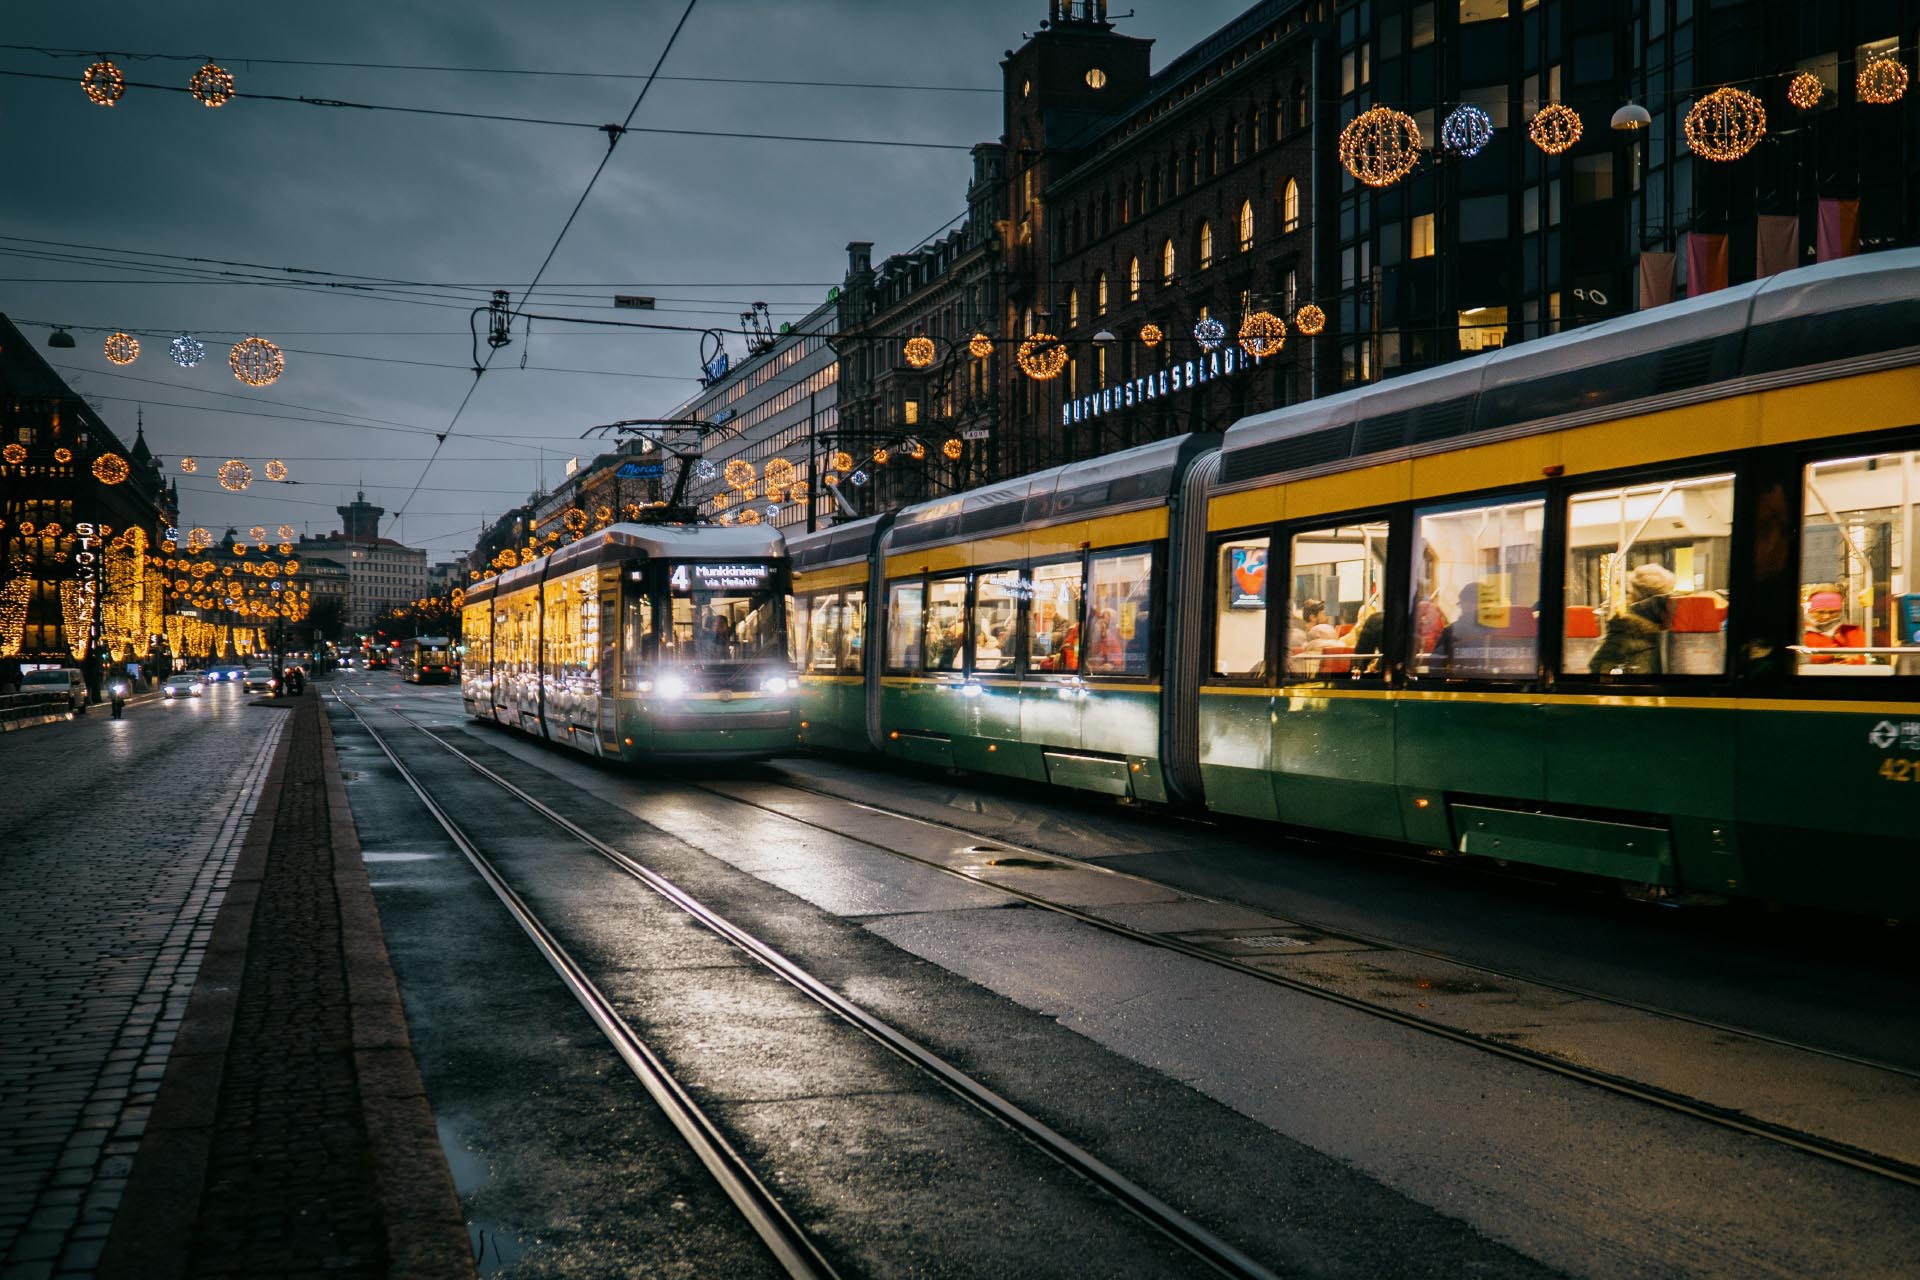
(366, 856)
(493, 1251)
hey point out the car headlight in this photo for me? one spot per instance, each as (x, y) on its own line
(775, 684)
(671, 686)
(169, 693)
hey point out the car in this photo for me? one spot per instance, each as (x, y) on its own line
(224, 672)
(187, 684)
(259, 680)
(58, 680)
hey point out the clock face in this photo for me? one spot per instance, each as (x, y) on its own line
(1096, 79)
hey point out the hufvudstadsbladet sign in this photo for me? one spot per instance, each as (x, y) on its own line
(1173, 380)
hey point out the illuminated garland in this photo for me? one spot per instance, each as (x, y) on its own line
(920, 352)
(1882, 82)
(602, 516)
(1262, 334)
(63, 454)
(187, 351)
(1150, 335)
(882, 456)
(575, 520)
(212, 86)
(110, 468)
(748, 516)
(14, 453)
(15, 594)
(1309, 320)
(276, 469)
(1209, 333)
(953, 448)
(780, 474)
(1466, 131)
(286, 532)
(721, 501)
(1380, 146)
(1555, 129)
(257, 532)
(980, 345)
(916, 449)
(1725, 124)
(842, 460)
(122, 348)
(631, 511)
(703, 469)
(76, 610)
(189, 465)
(1806, 90)
(740, 474)
(256, 362)
(1042, 356)
(234, 475)
(798, 493)
(103, 82)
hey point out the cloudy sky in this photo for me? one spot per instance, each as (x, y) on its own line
(147, 216)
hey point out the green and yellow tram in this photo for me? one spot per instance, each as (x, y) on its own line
(1636, 600)
(639, 641)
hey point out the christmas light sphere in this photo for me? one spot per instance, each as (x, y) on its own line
(104, 83)
(920, 352)
(256, 362)
(952, 448)
(916, 449)
(1150, 335)
(1380, 146)
(258, 532)
(703, 469)
(1555, 129)
(722, 500)
(187, 351)
(1042, 356)
(1262, 334)
(234, 475)
(199, 540)
(122, 348)
(286, 549)
(798, 492)
(1806, 90)
(286, 532)
(859, 477)
(882, 456)
(15, 454)
(276, 469)
(212, 86)
(842, 460)
(980, 346)
(189, 465)
(110, 468)
(740, 474)
(780, 474)
(1725, 124)
(574, 519)
(1310, 320)
(747, 516)
(1466, 131)
(63, 454)
(1882, 82)
(1209, 333)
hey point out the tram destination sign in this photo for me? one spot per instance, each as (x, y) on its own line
(1176, 379)
(702, 576)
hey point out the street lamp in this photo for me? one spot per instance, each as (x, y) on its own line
(1632, 118)
(60, 338)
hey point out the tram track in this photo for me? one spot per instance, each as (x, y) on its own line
(776, 1227)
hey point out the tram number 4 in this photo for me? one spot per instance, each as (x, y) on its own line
(1900, 769)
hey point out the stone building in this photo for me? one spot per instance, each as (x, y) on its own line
(382, 574)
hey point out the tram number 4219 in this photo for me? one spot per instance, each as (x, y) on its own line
(1899, 769)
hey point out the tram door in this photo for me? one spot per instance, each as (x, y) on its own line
(608, 659)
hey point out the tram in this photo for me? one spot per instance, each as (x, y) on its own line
(639, 641)
(1636, 601)
(429, 660)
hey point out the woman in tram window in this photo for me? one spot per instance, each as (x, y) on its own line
(1633, 639)
(1827, 628)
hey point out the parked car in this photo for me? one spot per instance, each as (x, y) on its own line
(259, 680)
(187, 684)
(58, 679)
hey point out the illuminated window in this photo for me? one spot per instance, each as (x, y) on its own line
(1100, 294)
(1246, 225)
(1483, 329)
(1482, 10)
(1166, 263)
(1203, 245)
(1422, 235)
(1073, 307)
(1290, 206)
(912, 413)
(1855, 520)
(1240, 608)
(1096, 79)
(1133, 280)
(1474, 609)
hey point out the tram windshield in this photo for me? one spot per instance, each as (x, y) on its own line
(723, 612)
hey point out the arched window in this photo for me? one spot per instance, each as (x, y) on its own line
(1202, 246)
(1100, 294)
(1166, 262)
(1133, 280)
(1246, 225)
(1073, 307)
(1290, 206)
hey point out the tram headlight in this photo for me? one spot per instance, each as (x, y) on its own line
(671, 686)
(775, 684)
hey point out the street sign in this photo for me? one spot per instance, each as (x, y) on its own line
(633, 301)
(641, 471)
(977, 433)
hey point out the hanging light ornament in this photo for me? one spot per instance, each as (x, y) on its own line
(916, 448)
(286, 549)
(740, 474)
(286, 532)
(234, 475)
(212, 86)
(1556, 128)
(187, 351)
(122, 348)
(842, 460)
(747, 516)
(1806, 90)
(1310, 320)
(1262, 334)
(798, 493)
(980, 346)
(199, 540)
(189, 465)
(1882, 82)
(953, 448)
(859, 477)
(1150, 335)
(1042, 356)
(574, 519)
(63, 454)
(882, 456)
(1725, 124)
(15, 454)
(1466, 131)
(1380, 146)
(779, 474)
(103, 82)
(256, 362)
(920, 351)
(258, 532)
(1209, 333)
(276, 469)
(110, 468)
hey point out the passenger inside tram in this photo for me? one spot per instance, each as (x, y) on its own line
(1859, 535)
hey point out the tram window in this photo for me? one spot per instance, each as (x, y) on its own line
(1335, 619)
(1647, 568)
(1476, 602)
(853, 632)
(1240, 607)
(905, 601)
(946, 624)
(822, 648)
(799, 628)
(1119, 604)
(996, 620)
(1053, 644)
(637, 639)
(1859, 615)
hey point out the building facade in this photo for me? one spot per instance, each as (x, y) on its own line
(382, 574)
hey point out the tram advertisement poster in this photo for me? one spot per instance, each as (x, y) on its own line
(1249, 589)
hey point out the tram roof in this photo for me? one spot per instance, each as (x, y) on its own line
(840, 544)
(1849, 308)
(655, 541)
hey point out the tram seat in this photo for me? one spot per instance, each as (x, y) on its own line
(1696, 646)
(1698, 613)
(1336, 666)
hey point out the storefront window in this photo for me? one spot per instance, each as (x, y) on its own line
(1240, 607)
(1858, 613)
(996, 620)
(1647, 570)
(1475, 610)
(1335, 616)
(904, 607)
(946, 624)
(1120, 585)
(1054, 645)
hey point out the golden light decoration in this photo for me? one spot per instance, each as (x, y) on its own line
(882, 456)
(26, 528)
(291, 566)
(920, 351)
(110, 468)
(1725, 124)
(1882, 82)
(189, 465)
(14, 453)
(953, 448)
(916, 449)
(603, 514)
(122, 348)
(63, 454)
(1042, 356)
(842, 460)
(1380, 146)
(103, 82)
(286, 532)
(258, 532)
(212, 86)
(1556, 128)
(779, 474)
(1806, 90)
(286, 549)
(721, 500)
(256, 362)
(574, 518)
(747, 515)
(739, 474)
(1310, 320)
(240, 548)
(234, 475)
(980, 346)
(276, 469)
(631, 511)
(798, 491)
(1262, 334)
(1150, 335)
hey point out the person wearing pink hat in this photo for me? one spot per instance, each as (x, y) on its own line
(1826, 630)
